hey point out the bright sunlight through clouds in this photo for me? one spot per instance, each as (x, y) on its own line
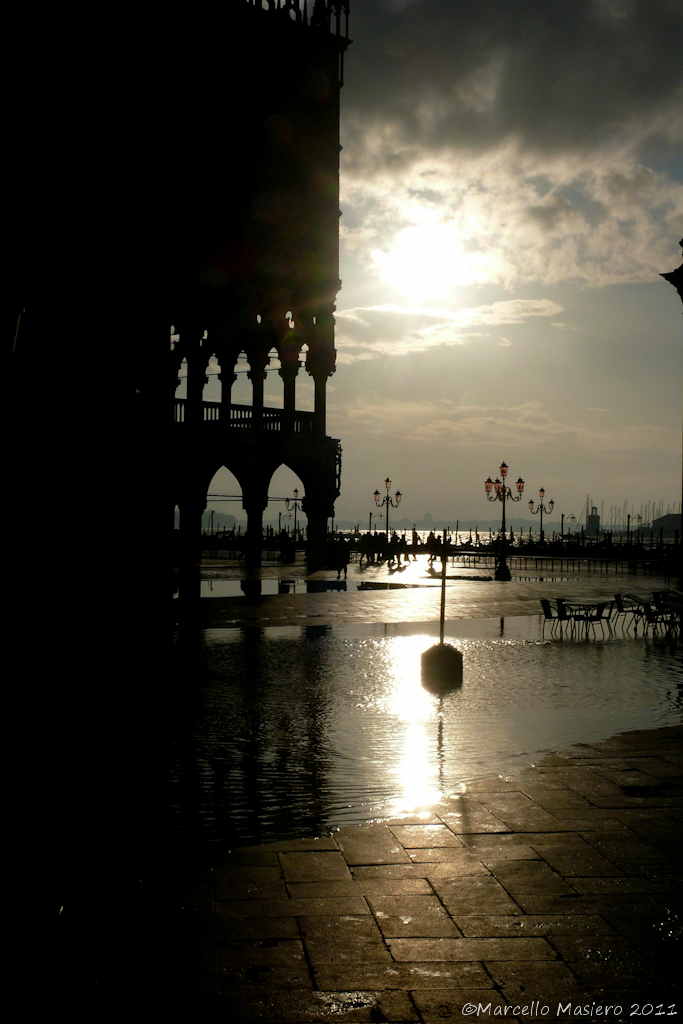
(427, 261)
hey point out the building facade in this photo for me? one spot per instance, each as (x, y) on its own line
(254, 198)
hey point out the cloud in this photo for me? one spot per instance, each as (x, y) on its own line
(391, 329)
(515, 222)
(446, 424)
(546, 137)
(554, 76)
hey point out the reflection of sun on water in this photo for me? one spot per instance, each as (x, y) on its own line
(417, 717)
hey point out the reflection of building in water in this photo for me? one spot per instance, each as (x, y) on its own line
(255, 168)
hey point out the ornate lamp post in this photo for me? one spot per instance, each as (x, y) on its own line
(387, 501)
(499, 491)
(541, 508)
(296, 505)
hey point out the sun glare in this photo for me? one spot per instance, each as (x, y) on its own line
(426, 262)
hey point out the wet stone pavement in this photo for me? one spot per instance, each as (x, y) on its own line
(553, 894)
(556, 892)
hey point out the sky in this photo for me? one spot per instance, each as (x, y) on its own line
(511, 190)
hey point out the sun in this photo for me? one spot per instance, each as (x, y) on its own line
(426, 262)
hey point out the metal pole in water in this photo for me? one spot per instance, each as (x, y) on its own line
(442, 618)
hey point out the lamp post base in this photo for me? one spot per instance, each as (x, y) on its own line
(442, 668)
(502, 573)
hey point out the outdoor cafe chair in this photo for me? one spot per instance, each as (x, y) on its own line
(586, 615)
(596, 615)
(660, 613)
(631, 611)
(549, 616)
(565, 615)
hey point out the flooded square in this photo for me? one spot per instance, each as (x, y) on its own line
(285, 731)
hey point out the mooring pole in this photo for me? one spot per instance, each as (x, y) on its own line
(444, 558)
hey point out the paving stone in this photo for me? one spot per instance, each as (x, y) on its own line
(490, 844)
(413, 837)
(656, 766)
(509, 803)
(624, 885)
(407, 976)
(474, 895)
(494, 854)
(423, 869)
(604, 904)
(625, 775)
(314, 867)
(462, 862)
(530, 876)
(346, 1007)
(569, 860)
(342, 939)
(539, 821)
(243, 929)
(521, 814)
(446, 1006)
(305, 844)
(608, 748)
(662, 999)
(551, 796)
(531, 980)
(471, 949)
(666, 872)
(249, 856)
(257, 883)
(376, 845)
(306, 907)
(604, 960)
(465, 816)
(623, 850)
(402, 916)
(599, 819)
(534, 925)
(656, 937)
(268, 963)
(362, 887)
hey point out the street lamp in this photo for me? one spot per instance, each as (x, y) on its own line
(572, 519)
(296, 505)
(541, 508)
(387, 500)
(374, 515)
(499, 491)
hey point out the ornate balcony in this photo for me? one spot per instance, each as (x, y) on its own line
(241, 417)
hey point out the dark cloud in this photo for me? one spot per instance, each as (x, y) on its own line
(554, 75)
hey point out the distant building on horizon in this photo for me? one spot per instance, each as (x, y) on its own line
(669, 525)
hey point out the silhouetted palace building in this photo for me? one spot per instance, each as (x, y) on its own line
(171, 194)
(173, 197)
(256, 176)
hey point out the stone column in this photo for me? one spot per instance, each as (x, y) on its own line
(191, 507)
(320, 364)
(254, 503)
(288, 372)
(257, 375)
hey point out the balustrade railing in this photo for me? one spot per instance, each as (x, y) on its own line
(242, 417)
